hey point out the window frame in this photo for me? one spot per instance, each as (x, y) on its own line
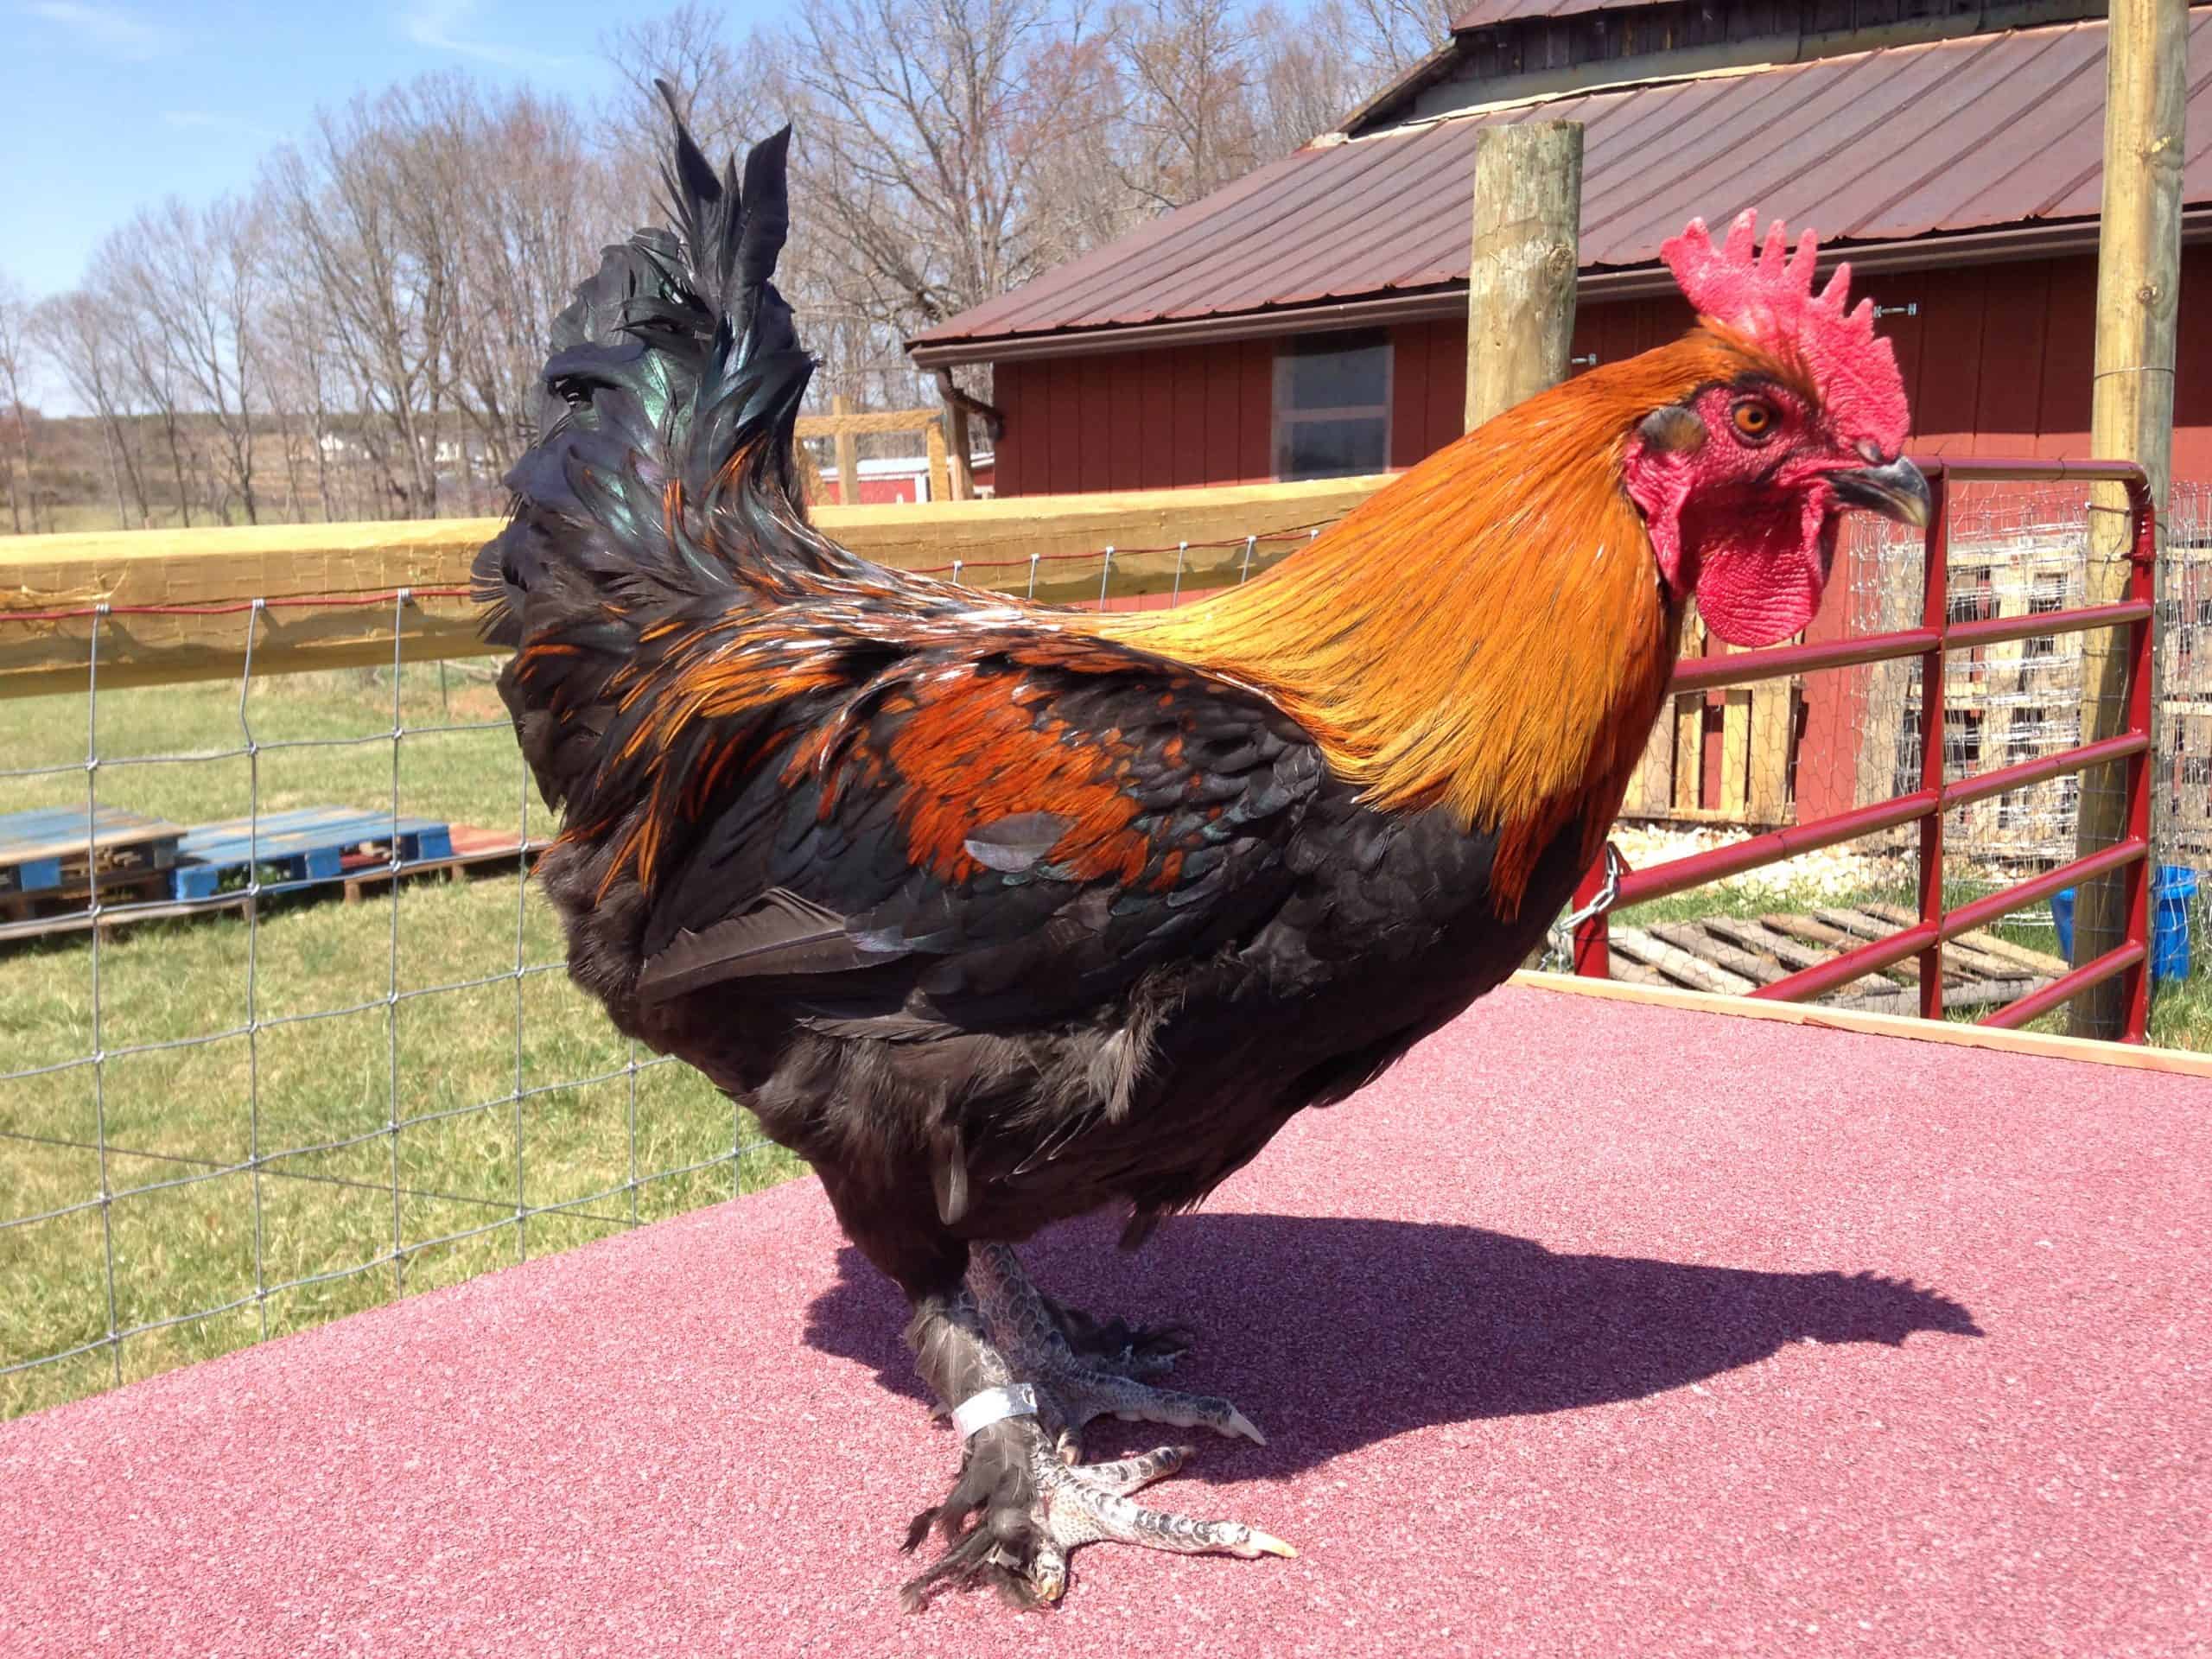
(1284, 418)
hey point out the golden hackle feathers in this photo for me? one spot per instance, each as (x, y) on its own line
(1486, 633)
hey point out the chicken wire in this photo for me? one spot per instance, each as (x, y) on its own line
(222, 1121)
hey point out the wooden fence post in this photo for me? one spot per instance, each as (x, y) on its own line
(964, 476)
(940, 475)
(2131, 412)
(849, 456)
(1520, 279)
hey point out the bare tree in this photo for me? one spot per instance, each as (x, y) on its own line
(191, 282)
(949, 150)
(520, 175)
(1307, 83)
(1388, 37)
(730, 93)
(15, 414)
(148, 359)
(297, 350)
(363, 336)
(927, 130)
(79, 336)
(1195, 74)
(349, 245)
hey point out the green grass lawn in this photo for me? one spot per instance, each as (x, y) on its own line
(513, 1093)
(521, 1128)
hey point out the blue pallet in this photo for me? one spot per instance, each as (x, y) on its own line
(307, 846)
(41, 851)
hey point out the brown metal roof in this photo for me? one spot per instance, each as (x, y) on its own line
(1906, 142)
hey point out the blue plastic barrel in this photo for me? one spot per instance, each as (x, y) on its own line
(2171, 890)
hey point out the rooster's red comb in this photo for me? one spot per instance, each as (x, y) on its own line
(1767, 293)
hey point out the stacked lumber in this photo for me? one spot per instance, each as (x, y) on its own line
(1736, 956)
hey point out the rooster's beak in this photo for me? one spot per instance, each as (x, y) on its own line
(1898, 491)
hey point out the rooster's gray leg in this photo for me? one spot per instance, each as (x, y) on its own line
(1023, 1324)
(1022, 1503)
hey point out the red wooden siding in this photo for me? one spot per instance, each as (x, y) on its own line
(1137, 420)
(1997, 361)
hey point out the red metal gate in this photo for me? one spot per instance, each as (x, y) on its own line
(1936, 635)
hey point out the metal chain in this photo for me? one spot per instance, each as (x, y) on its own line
(1561, 938)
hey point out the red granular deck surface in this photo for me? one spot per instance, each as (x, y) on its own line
(1560, 1334)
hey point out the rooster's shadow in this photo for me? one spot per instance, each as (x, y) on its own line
(1335, 1333)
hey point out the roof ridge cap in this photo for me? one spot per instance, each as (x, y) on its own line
(1726, 72)
(1535, 100)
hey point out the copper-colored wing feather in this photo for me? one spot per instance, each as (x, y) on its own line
(972, 838)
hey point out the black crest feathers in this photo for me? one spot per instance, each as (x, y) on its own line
(664, 466)
(731, 234)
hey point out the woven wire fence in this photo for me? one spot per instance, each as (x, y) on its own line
(2181, 799)
(342, 1061)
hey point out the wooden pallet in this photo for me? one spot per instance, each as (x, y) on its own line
(304, 847)
(1736, 955)
(50, 861)
(1754, 724)
(473, 848)
(59, 850)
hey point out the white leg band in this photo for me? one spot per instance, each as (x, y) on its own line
(979, 1411)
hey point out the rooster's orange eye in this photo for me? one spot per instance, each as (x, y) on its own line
(1753, 419)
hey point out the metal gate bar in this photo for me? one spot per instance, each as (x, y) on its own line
(1935, 636)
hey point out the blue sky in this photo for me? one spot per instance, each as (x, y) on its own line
(106, 104)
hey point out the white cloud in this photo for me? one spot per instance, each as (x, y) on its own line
(443, 25)
(115, 30)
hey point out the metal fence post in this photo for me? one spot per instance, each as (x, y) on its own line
(1592, 958)
(2139, 880)
(1935, 614)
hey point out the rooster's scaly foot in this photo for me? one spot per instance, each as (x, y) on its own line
(1035, 1509)
(1033, 1333)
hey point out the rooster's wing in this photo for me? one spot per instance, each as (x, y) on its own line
(905, 829)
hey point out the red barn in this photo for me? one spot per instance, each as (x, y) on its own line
(1309, 320)
(895, 480)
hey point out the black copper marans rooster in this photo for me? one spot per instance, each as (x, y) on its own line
(998, 915)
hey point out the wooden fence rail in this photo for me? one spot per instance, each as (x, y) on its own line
(181, 602)
(949, 479)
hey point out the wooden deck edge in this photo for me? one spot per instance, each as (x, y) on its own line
(2173, 1061)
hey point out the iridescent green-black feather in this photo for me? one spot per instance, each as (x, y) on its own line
(664, 467)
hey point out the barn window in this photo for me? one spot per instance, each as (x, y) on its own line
(1332, 405)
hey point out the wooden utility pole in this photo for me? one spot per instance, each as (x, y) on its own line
(2131, 411)
(958, 405)
(1521, 281)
